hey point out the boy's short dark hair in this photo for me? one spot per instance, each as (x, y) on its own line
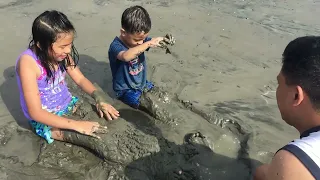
(301, 66)
(136, 19)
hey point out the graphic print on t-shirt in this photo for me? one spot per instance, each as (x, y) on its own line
(135, 66)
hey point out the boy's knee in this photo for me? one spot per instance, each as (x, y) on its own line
(131, 98)
(260, 172)
(149, 86)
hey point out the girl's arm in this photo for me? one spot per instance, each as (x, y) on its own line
(77, 76)
(86, 85)
(28, 70)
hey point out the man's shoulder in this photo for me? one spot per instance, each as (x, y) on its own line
(286, 165)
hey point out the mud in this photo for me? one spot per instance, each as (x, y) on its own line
(172, 138)
(168, 142)
(168, 39)
(41, 161)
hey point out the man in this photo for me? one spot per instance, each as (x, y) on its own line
(298, 98)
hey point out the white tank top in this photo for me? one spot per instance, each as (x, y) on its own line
(307, 150)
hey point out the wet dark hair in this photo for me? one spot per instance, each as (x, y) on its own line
(136, 19)
(45, 30)
(301, 66)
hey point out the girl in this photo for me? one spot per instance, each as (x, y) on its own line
(41, 70)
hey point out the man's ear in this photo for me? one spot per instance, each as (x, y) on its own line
(298, 96)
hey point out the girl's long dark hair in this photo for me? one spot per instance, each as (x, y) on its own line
(45, 30)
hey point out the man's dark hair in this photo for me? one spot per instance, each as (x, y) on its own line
(136, 19)
(301, 66)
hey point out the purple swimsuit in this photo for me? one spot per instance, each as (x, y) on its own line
(55, 96)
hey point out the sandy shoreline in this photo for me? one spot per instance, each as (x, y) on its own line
(224, 63)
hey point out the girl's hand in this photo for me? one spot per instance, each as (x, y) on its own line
(107, 110)
(90, 128)
(103, 108)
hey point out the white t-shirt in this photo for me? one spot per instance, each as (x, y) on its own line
(307, 150)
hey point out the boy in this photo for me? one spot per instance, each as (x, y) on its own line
(126, 56)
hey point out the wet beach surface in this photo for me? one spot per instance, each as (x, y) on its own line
(220, 81)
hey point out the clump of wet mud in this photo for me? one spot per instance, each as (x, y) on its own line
(168, 141)
(39, 160)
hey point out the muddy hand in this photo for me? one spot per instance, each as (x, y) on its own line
(98, 130)
(103, 108)
(101, 130)
(163, 45)
(168, 39)
(106, 109)
(90, 128)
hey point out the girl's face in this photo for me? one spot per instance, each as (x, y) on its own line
(63, 46)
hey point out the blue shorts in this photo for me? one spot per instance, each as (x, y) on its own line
(43, 130)
(131, 97)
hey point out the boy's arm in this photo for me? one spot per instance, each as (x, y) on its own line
(146, 40)
(127, 55)
(133, 52)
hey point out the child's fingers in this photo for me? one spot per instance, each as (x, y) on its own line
(101, 113)
(114, 116)
(107, 114)
(114, 109)
(96, 136)
(115, 112)
(102, 130)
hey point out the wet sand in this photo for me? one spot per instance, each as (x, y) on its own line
(220, 80)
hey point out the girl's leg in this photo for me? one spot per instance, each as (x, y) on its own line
(75, 108)
(56, 133)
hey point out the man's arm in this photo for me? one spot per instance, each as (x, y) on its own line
(285, 166)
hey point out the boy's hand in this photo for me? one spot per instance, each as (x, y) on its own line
(154, 42)
(168, 39)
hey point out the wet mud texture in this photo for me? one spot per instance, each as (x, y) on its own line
(41, 161)
(172, 139)
(167, 142)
